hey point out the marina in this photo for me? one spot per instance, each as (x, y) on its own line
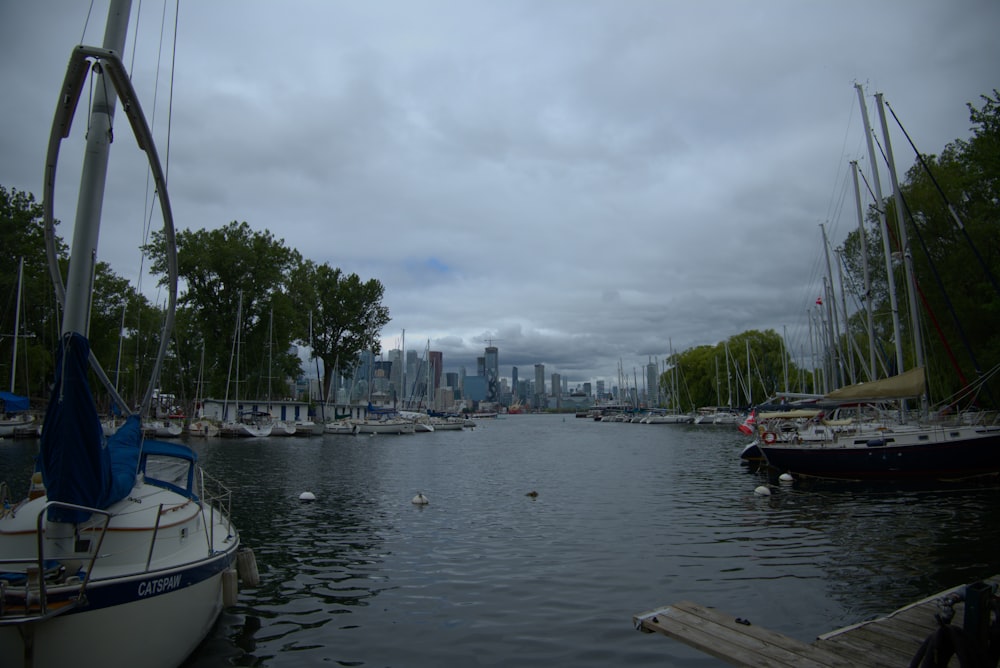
(626, 517)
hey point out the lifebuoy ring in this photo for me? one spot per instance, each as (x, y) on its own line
(770, 437)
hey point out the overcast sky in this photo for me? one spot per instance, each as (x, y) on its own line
(585, 182)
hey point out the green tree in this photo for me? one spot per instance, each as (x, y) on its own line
(347, 314)
(220, 268)
(22, 236)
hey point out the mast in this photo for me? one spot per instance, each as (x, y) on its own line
(904, 242)
(884, 226)
(831, 308)
(17, 322)
(323, 396)
(83, 256)
(863, 237)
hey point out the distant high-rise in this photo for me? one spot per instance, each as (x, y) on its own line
(513, 382)
(491, 367)
(437, 363)
(652, 384)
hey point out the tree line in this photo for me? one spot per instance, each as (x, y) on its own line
(951, 210)
(284, 300)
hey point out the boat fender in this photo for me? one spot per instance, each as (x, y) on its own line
(246, 566)
(230, 587)
(770, 437)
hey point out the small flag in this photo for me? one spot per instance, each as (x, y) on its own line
(819, 301)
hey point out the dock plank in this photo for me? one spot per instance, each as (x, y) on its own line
(892, 640)
(719, 635)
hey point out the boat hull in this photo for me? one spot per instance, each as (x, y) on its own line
(150, 628)
(940, 453)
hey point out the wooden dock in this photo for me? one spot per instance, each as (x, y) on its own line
(893, 640)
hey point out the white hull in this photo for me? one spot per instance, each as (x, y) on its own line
(283, 429)
(181, 620)
(203, 429)
(385, 427)
(242, 430)
(9, 425)
(308, 428)
(339, 427)
(158, 566)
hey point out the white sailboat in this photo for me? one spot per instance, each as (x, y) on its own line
(122, 554)
(253, 424)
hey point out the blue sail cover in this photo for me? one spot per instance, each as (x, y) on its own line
(12, 403)
(78, 466)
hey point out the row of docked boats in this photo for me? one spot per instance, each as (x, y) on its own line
(864, 432)
(705, 416)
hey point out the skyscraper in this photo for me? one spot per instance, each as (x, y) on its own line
(492, 369)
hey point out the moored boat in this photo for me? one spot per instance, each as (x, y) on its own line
(123, 553)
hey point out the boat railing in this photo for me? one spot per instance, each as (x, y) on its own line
(35, 594)
(219, 500)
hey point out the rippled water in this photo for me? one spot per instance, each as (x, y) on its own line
(627, 518)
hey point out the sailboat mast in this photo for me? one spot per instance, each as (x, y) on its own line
(17, 323)
(83, 257)
(904, 241)
(886, 249)
(863, 237)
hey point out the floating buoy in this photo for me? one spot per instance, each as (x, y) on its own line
(786, 477)
(307, 496)
(420, 500)
(533, 494)
(763, 490)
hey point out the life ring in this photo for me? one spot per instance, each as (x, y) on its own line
(770, 437)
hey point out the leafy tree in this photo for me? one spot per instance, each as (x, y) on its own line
(347, 314)
(22, 236)
(221, 269)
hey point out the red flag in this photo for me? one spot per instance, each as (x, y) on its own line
(819, 301)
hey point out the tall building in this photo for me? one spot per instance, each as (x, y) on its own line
(492, 372)
(437, 364)
(652, 384)
(540, 400)
(513, 382)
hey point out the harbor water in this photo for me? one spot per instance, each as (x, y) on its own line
(627, 518)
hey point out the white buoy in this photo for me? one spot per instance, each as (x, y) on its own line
(420, 500)
(763, 490)
(786, 477)
(307, 496)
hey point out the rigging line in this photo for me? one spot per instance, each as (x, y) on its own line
(170, 103)
(947, 301)
(916, 284)
(951, 209)
(135, 40)
(86, 21)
